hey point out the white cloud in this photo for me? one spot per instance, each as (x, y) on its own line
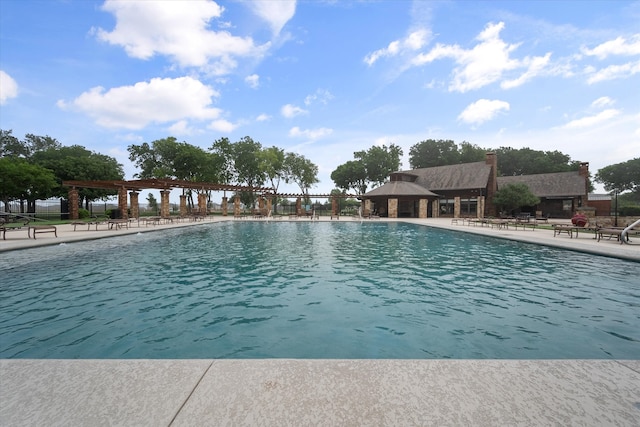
(8, 87)
(253, 81)
(222, 126)
(312, 134)
(181, 128)
(613, 72)
(593, 120)
(413, 42)
(263, 117)
(275, 13)
(619, 46)
(177, 30)
(290, 111)
(603, 101)
(482, 111)
(535, 66)
(322, 96)
(156, 101)
(485, 63)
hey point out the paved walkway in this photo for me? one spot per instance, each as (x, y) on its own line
(281, 392)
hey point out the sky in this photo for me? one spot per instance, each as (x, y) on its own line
(324, 79)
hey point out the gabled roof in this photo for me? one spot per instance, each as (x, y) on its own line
(453, 177)
(549, 184)
(400, 188)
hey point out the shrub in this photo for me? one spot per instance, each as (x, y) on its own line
(83, 214)
(629, 211)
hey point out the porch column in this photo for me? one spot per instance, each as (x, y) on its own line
(480, 207)
(456, 207)
(392, 207)
(135, 205)
(236, 206)
(164, 203)
(225, 206)
(435, 208)
(122, 202)
(422, 208)
(183, 205)
(366, 209)
(74, 199)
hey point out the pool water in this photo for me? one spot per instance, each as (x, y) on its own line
(316, 290)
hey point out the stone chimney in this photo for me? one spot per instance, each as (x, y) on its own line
(584, 173)
(492, 184)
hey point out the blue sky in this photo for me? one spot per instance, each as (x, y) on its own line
(325, 78)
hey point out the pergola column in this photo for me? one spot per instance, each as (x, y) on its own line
(202, 203)
(74, 200)
(269, 205)
(236, 206)
(456, 207)
(261, 205)
(122, 202)
(183, 205)
(164, 203)
(225, 205)
(392, 207)
(135, 206)
(298, 206)
(334, 206)
(422, 208)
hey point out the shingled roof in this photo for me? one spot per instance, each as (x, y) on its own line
(400, 188)
(559, 184)
(453, 177)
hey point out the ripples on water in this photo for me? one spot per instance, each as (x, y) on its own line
(315, 290)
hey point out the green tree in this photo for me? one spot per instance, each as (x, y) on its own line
(76, 163)
(525, 161)
(10, 146)
(23, 181)
(514, 196)
(301, 171)
(379, 162)
(470, 153)
(621, 177)
(351, 175)
(430, 153)
(153, 202)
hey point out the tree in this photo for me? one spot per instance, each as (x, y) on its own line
(153, 202)
(351, 175)
(302, 171)
(525, 161)
(621, 177)
(470, 153)
(21, 180)
(379, 162)
(514, 196)
(76, 163)
(430, 153)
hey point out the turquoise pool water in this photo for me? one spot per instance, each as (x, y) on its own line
(315, 290)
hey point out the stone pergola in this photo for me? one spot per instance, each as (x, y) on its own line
(128, 192)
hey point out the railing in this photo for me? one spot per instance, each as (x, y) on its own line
(623, 235)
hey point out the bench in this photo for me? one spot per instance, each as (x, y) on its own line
(562, 228)
(42, 229)
(118, 224)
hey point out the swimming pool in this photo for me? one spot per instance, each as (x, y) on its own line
(316, 290)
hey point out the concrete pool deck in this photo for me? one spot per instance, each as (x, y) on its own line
(279, 392)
